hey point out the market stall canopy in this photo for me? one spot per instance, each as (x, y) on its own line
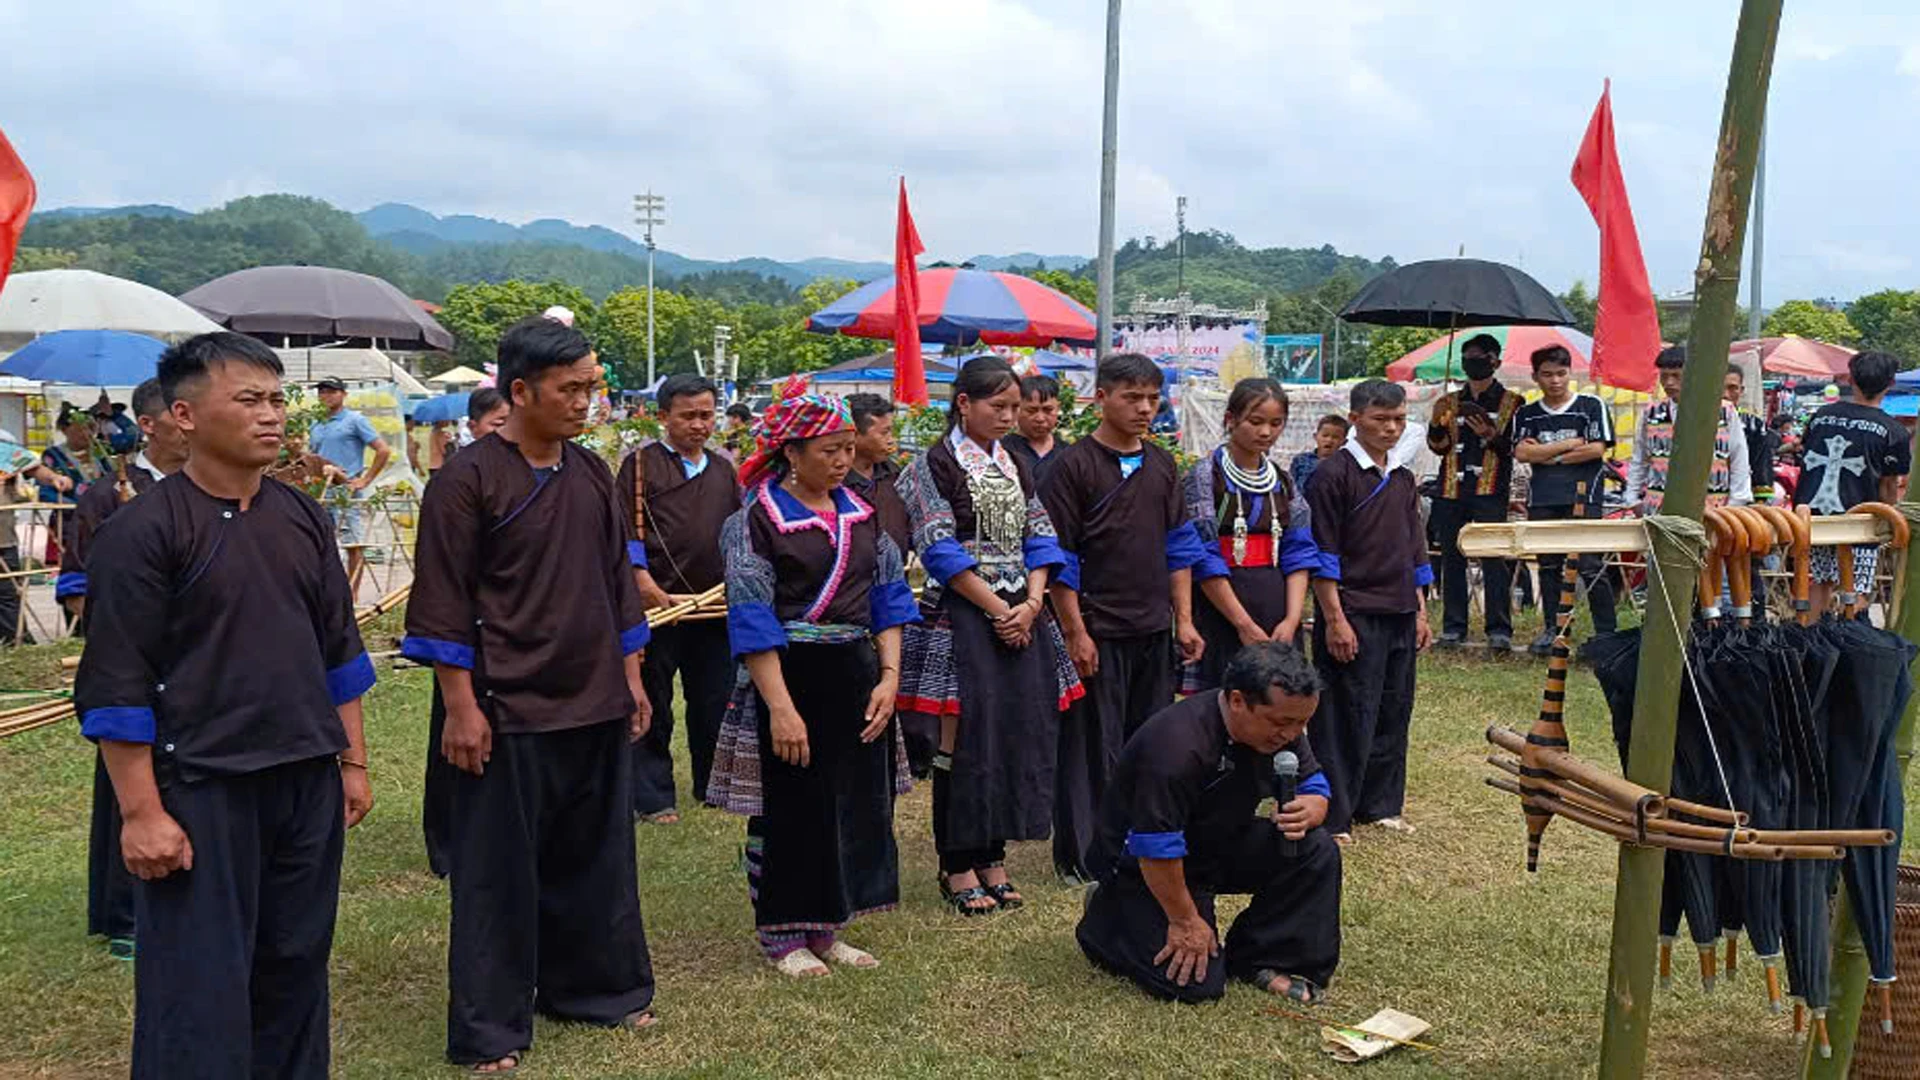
(1800, 356)
(287, 300)
(350, 366)
(43, 301)
(877, 368)
(1428, 363)
(87, 358)
(964, 307)
(460, 376)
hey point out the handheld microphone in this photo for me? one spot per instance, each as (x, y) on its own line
(1286, 777)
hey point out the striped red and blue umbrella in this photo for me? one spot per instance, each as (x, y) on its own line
(964, 307)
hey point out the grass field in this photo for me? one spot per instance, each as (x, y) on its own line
(1510, 970)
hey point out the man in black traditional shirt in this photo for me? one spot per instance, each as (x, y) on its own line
(674, 496)
(1033, 435)
(1116, 502)
(1472, 431)
(222, 680)
(109, 885)
(874, 469)
(1177, 829)
(1371, 595)
(1854, 452)
(524, 603)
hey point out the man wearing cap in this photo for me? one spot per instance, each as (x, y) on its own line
(344, 438)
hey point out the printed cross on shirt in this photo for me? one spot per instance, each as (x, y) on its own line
(1827, 499)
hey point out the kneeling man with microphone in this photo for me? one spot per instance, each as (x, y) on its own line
(1178, 828)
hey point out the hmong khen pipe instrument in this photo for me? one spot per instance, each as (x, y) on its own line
(1550, 729)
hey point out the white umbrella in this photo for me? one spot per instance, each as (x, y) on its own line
(43, 301)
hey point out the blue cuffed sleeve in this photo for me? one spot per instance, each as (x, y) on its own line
(1042, 551)
(637, 554)
(1298, 551)
(1211, 565)
(635, 638)
(426, 650)
(69, 584)
(1315, 785)
(1069, 573)
(890, 604)
(119, 723)
(946, 559)
(351, 680)
(1157, 845)
(1423, 575)
(1329, 567)
(1184, 549)
(753, 628)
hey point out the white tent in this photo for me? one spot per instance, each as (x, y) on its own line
(43, 301)
(459, 376)
(308, 366)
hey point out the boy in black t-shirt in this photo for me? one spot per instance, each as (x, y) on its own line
(1564, 436)
(1852, 452)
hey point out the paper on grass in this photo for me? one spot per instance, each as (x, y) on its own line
(1360, 1042)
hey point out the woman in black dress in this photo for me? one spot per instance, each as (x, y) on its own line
(985, 671)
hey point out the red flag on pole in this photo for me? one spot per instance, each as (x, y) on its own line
(1626, 332)
(909, 373)
(16, 202)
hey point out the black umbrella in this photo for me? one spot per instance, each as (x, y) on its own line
(1871, 687)
(1688, 887)
(317, 300)
(1455, 293)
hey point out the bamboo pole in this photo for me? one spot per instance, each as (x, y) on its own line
(1636, 906)
(1849, 973)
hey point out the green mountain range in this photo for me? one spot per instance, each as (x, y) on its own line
(175, 250)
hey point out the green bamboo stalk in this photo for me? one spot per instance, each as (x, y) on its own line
(1636, 903)
(1850, 970)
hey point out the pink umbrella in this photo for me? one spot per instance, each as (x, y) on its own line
(1428, 363)
(1800, 356)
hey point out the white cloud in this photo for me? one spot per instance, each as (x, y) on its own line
(1379, 126)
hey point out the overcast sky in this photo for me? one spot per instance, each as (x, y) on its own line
(1383, 127)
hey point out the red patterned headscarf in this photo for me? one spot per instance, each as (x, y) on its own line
(798, 414)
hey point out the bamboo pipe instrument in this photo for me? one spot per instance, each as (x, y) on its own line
(1564, 765)
(1549, 728)
(1627, 834)
(1592, 803)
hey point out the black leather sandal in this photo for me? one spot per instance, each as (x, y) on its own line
(963, 899)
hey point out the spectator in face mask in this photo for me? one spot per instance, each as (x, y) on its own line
(1471, 430)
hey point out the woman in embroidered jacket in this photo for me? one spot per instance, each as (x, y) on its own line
(1254, 523)
(808, 751)
(986, 670)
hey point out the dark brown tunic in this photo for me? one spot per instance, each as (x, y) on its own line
(888, 510)
(225, 638)
(683, 517)
(94, 507)
(1118, 530)
(522, 576)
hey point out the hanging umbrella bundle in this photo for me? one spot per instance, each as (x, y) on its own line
(1784, 775)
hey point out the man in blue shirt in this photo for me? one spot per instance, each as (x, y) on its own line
(344, 438)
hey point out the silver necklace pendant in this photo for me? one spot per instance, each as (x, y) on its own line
(1239, 531)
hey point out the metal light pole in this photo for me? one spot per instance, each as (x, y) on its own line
(1109, 135)
(722, 335)
(648, 210)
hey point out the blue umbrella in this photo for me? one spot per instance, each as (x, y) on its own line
(87, 358)
(443, 409)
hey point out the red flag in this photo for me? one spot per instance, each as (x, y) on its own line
(1626, 331)
(16, 202)
(909, 373)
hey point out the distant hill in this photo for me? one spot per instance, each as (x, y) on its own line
(425, 253)
(150, 210)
